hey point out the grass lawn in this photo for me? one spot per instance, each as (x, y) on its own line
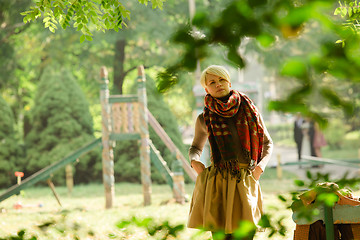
(344, 154)
(83, 214)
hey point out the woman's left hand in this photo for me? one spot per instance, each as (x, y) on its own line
(257, 172)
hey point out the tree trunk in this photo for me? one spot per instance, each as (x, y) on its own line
(119, 73)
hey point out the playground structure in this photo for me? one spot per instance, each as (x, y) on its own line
(127, 117)
(124, 117)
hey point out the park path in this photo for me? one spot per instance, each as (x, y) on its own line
(289, 154)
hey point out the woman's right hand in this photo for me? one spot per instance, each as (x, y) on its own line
(197, 166)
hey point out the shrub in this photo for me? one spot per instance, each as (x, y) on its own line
(10, 152)
(282, 134)
(60, 123)
(352, 140)
(335, 133)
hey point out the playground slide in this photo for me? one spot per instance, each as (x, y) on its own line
(169, 143)
(161, 164)
(45, 172)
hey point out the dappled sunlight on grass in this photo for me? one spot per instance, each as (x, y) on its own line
(85, 208)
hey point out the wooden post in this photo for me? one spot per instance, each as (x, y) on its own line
(51, 185)
(69, 178)
(144, 133)
(107, 151)
(178, 180)
(358, 158)
(171, 146)
(278, 167)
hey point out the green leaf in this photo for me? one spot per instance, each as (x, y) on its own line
(200, 19)
(79, 27)
(21, 233)
(337, 11)
(288, 106)
(245, 229)
(265, 40)
(308, 175)
(157, 4)
(235, 57)
(82, 38)
(328, 198)
(26, 19)
(294, 68)
(123, 224)
(257, 3)
(47, 19)
(89, 38)
(282, 198)
(299, 183)
(265, 221)
(343, 12)
(336, 101)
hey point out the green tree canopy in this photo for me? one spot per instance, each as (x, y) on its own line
(104, 14)
(60, 123)
(270, 23)
(10, 151)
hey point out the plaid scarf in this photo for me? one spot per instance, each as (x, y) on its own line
(249, 130)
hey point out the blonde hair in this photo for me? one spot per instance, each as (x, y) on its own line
(215, 70)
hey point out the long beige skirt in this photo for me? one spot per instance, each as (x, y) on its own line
(219, 203)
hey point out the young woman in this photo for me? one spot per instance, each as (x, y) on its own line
(228, 191)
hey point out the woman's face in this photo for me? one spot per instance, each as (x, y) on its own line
(217, 86)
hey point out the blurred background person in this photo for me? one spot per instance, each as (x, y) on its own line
(298, 135)
(306, 143)
(319, 140)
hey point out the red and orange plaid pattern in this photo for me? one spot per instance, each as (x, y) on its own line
(247, 121)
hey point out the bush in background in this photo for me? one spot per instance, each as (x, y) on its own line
(10, 151)
(352, 140)
(282, 134)
(60, 124)
(335, 133)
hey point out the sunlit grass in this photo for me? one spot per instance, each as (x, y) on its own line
(343, 154)
(85, 209)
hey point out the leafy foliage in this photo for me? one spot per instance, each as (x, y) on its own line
(349, 10)
(322, 192)
(11, 25)
(162, 231)
(59, 227)
(271, 23)
(10, 152)
(105, 14)
(60, 124)
(63, 226)
(335, 134)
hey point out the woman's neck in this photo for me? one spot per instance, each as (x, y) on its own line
(226, 98)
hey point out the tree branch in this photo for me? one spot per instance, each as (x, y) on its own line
(129, 70)
(11, 30)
